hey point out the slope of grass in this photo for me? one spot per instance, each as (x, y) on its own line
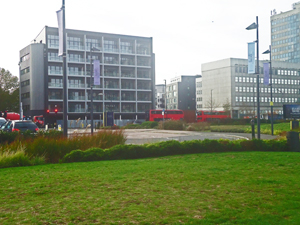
(224, 188)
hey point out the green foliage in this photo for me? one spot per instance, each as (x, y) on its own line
(144, 125)
(171, 125)
(19, 158)
(174, 148)
(53, 146)
(201, 126)
(9, 91)
(149, 124)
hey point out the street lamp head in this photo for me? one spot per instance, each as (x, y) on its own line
(266, 52)
(252, 26)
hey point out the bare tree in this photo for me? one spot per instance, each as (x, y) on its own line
(227, 106)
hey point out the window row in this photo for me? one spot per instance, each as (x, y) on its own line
(142, 47)
(268, 90)
(275, 71)
(261, 80)
(265, 99)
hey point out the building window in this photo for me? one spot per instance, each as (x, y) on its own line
(24, 71)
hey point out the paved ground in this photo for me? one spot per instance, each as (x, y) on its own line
(141, 136)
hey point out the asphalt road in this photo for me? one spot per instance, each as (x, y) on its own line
(141, 136)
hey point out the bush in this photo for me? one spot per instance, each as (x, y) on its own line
(171, 125)
(174, 148)
(149, 124)
(200, 126)
(54, 147)
(19, 158)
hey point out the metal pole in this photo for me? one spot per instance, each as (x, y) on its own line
(257, 80)
(271, 84)
(65, 90)
(211, 102)
(166, 107)
(92, 121)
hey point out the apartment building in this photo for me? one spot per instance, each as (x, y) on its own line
(160, 96)
(127, 74)
(181, 92)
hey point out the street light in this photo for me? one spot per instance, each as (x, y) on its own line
(251, 27)
(166, 94)
(91, 82)
(271, 103)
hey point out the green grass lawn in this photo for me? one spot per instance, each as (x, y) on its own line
(225, 188)
(264, 128)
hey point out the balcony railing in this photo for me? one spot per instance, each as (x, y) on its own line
(79, 60)
(55, 58)
(55, 72)
(50, 97)
(128, 75)
(76, 47)
(76, 110)
(76, 86)
(55, 85)
(79, 98)
(77, 73)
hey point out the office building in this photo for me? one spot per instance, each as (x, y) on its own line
(285, 35)
(228, 80)
(181, 93)
(127, 75)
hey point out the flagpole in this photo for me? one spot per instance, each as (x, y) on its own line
(65, 88)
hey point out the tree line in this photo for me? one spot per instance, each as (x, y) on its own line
(9, 91)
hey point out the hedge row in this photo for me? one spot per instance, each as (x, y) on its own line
(174, 148)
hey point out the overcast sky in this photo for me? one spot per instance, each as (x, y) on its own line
(185, 33)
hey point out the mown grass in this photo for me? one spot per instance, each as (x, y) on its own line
(225, 188)
(279, 128)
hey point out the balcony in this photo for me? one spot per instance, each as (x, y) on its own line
(55, 59)
(76, 60)
(55, 85)
(77, 98)
(55, 72)
(50, 97)
(76, 85)
(76, 47)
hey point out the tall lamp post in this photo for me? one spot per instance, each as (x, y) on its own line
(271, 103)
(251, 27)
(166, 107)
(91, 82)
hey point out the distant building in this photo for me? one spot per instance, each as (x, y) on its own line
(127, 67)
(285, 35)
(228, 80)
(160, 96)
(181, 93)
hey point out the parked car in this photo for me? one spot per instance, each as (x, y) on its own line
(20, 125)
(2, 121)
(5, 125)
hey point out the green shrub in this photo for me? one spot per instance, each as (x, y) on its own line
(133, 126)
(171, 125)
(200, 126)
(54, 146)
(174, 148)
(149, 124)
(19, 158)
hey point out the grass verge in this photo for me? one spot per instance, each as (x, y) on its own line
(223, 188)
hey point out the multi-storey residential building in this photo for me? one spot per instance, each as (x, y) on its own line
(285, 35)
(127, 69)
(199, 100)
(160, 96)
(181, 93)
(228, 80)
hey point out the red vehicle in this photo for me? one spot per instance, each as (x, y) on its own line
(203, 116)
(12, 116)
(39, 120)
(157, 115)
